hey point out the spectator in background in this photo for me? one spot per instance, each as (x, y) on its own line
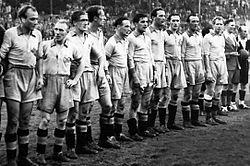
(228, 95)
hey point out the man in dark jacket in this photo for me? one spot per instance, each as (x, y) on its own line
(2, 30)
(244, 47)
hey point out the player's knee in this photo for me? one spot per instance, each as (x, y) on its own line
(187, 97)
(208, 97)
(156, 97)
(105, 101)
(44, 123)
(195, 96)
(82, 117)
(174, 97)
(134, 104)
(146, 105)
(72, 117)
(12, 125)
(209, 92)
(217, 95)
(230, 87)
(121, 107)
(107, 109)
(62, 123)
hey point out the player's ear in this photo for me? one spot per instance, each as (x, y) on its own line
(22, 19)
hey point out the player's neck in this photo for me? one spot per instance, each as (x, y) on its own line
(139, 32)
(120, 35)
(156, 26)
(25, 30)
(59, 42)
(79, 32)
(93, 28)
(242, 37)
(173, 30)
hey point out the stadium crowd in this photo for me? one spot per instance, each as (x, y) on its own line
(232, 9)
(104, 54)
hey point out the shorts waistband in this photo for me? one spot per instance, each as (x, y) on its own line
(190, 60)
(173, 59)
(56, 75)
(218, 59)
(94, 63)
(21, 67)
(142, 61)
(159, 60)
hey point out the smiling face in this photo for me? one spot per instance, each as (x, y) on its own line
(124, 28)
(142, 25)
(31, 20)
(60, 30)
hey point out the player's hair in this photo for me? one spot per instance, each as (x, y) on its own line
(217, 18)
(192, 14)
(23, 10)
(206, 30)
(138, 16)
(63, 21)
(241, 28)
(119, 21)
(154, 11)
(228, 21)
(76, 15)
(94, 11)
(171, 15)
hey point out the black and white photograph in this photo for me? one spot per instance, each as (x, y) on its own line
(124, 83)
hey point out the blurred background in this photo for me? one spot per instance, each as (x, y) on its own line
(51, 10)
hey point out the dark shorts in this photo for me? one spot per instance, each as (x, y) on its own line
(244, 64)
(234, 76)
(1, 88)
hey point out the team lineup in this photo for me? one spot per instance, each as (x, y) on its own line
(147, 59)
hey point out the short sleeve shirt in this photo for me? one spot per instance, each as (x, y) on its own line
(84, 45)
(173, 45)
(21, 48)
(139, 49)
(214, 46)
(191, 46)
(116, 50)
(57, 58)
(98, 40)
(158, 38)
